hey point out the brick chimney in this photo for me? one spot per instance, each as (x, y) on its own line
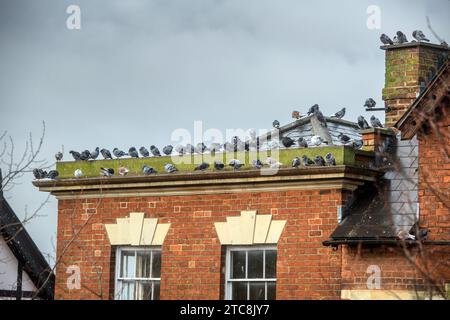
(409, 67)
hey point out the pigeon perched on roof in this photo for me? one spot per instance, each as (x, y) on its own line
(321, 118)
(39, 174)
(76, 155)
(302, 143)
(106, 154)
(95, 153)
(218, 165)
(179, 149)
(362, 123)
(401, 38)
(340, 114)
(419, 36)
(296, 114)
(370, 103)
(59, 156)
(257, 164)
(123, 171)
(276, 124)
(155, 151)
(236, 164)
(343, 138)
(107, 172)
(144, 152)
(329, 158)
(307, 161)
(148, 170)
(167, 150)
(357, 144)
(375, 122)
(78, 173)
(52, 174)
(319, 161)
(170, 168)
(313, 109)
(296, 162)
(385, 39)
(85, 155)
(317, 140)
(200, 148)
(287, 142)
(133, 152)
(202, 166)
(118, 153)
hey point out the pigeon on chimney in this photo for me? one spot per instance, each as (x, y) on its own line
(78, 173)
(362, 123)
(144, 152)
(155, 151)
(357, 144)
(257, 164)
(276, 124)
(203, 166)
(331, 161)
(148, 170)
(133, 152)
(236, 164)
(419, 36)
(401, 37)
(319, 161)
(85, 155)
(58, 156)
(370, 103)
(52, 174)
(167, 150)
(218, 165)
(179, 149)
(95, 153)
(39, 174)
(76, 155)
(201, 148)
(385, 39)
(106, 154)
(302, 143)
(340, 114)
(313, 109)
(375, 122)
(107, 172)
(296, 162)
(307, 161)
(170, 168)
(287, 142)
(118, 153)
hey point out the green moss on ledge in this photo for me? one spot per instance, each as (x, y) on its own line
(187, 163)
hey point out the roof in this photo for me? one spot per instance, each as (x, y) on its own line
(25, 250)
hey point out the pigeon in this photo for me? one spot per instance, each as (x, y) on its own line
(200, 148)
(331, 161)
(307, 161)
(85, 155)
(170, 168)
(296, 114)
(144, 152)
(357, 144)
(385, 39)
(296, 162)
(302, 143)
(401, 38)
(370, 103)
(313, 109)
(375, 122)
(76, 155)
(317, 140)
(287, 142)
(39, 174)
(148, 170)
(405, 235)
(343, 138)
(257, 164)
(58, 156)
(362, 123)
(218, 165)
(319, 161)
(52, 174)
(202, 167)
(214, 147)
(123, 171)
(95, 153)
(155, 151)
(236, 164)
(118, 153)
(321, 118)
(340, 114)
(78, 173)
(106, 154)
(133, 153)
(179, 149)
(167, 150)
(419, 36)
(276, 124)
(107, 172)
(189, 148)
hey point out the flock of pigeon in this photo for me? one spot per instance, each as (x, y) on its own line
(400, 38)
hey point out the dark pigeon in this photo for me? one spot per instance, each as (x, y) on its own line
(321, 118)
(52, 174)
(307, 161)
(375, 122)
(95, 153)
(106, 154)
(167, 150)
(203, 166)
(370, 103)
(313, 109)
(302, 143)
(287, 142)
(319, 161)
(357, 144)
(144, 152)
(340, 114)
(385, 39)
(218, 165)
(343, 138)
(331, 161)
(155, 151)
(276, 124)
(75, 155)
(148, 170)
(39, 174)
(58, 156)
(362, 123)
(107, 172)
(296, 162)
(401, 38)
(419, 36)
(85, 155)
(133, 152)
(119, 153)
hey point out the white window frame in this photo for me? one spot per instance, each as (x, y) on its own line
(119, 280)
(229, 281)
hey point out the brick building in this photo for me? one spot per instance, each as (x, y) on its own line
(313, 232)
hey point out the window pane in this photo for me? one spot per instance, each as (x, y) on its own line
(144, 290)
(156, 290)
(257, 291)
(143, 264)
(255, 264)
(271, 263)
(239, 291)
(237, 264)
(271, 290)
(156, 268)
(127, 291)
(128, 264)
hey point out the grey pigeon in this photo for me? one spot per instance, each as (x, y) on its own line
(58, 156)
(313, 109)
(179, 149)
(85, 155)
(419, 36)
(236, 164)
(170, 168)
(107, 172)
(370, 103)
(144, 152)
(385, 39)
(167, 150)
(39, 174)
(321, 118)
(287, 142)
(319, 161)
(257, 164)
(218, 165)
(302, 143)
(106, 154)
(343, 138)
(296, 162)
(52, 174)
(76, 155)
(95, 153)
(307, 161)
(155, 151)
(133, 152)
(401, 37)
(340, 114)
(362, 123)
(203, 166)
(276, 124)
(148, 170)
(357, 144)
(200, 148)
(375, 122)
(331, 161)
(119, 153)
(395, 40)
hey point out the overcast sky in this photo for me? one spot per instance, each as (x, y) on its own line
(137, 70)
